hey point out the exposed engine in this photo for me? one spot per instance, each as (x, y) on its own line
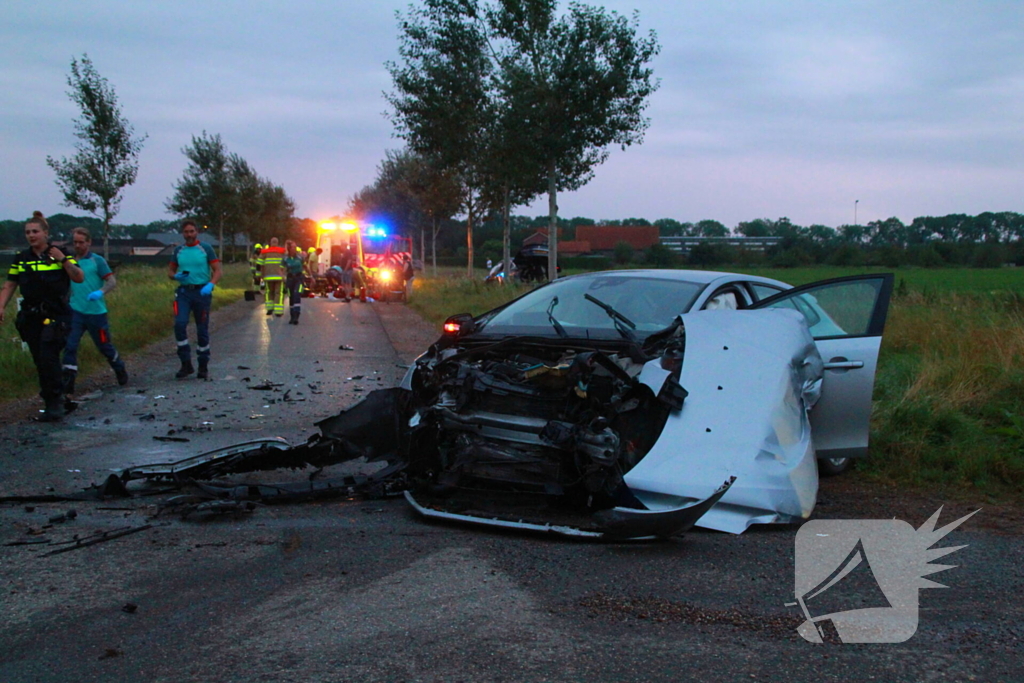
(529, 415)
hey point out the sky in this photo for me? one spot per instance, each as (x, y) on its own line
(808, 110)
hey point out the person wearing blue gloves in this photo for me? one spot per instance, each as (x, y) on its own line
(196, 269)
(89, 311)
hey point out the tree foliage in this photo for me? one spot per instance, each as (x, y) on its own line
(519, 99)
(221, 188)
(106, 159)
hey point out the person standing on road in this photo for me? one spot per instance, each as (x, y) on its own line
(89, 311)
(272, 264)
(44, 275)
(197, 270)
(254, 261)
(295, 276)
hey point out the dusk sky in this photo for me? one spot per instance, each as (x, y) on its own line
(766, 109)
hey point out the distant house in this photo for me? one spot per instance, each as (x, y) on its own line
(603, 238)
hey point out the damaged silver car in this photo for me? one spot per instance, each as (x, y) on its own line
(636, 403)
(622, 404)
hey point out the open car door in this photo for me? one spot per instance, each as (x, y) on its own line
(846, 317)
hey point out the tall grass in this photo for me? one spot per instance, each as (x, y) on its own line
(140, 312)
(949, 393)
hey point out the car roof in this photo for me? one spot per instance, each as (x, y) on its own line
(703, 277)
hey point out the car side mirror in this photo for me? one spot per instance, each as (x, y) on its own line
(459, 325)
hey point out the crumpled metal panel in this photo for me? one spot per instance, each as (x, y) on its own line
(751, 377)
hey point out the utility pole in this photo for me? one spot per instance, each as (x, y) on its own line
(855, 202)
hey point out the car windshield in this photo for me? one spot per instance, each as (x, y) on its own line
(648, 303)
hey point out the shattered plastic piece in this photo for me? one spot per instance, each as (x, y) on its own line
(345, 347)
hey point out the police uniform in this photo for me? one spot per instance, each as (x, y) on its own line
(196, 260)
(44, 319)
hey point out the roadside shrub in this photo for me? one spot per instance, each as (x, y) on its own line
(847, 255)
(661, 256)
(623, 253)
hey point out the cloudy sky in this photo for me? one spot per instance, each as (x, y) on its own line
(766, 109)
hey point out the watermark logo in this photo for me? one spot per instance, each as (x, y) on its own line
(857, 580)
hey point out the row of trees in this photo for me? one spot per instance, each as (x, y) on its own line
(218, 188)
(500, 101)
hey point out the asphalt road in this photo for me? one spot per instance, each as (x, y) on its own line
(365, 591)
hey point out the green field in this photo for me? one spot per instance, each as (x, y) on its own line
(949, 394)
(140, 312)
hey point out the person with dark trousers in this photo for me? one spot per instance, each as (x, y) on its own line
(44, 274)
(295, 276)
(89, 311)
(196, 269)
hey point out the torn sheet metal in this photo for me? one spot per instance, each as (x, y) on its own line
(751, 377)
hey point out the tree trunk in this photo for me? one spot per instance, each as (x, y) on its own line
(423, 246)
(433, 245)
(221, 238)
(506, 239)
(552, 224)
(469, 238)
(106, 232)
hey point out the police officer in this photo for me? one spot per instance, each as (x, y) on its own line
(196, 269)
(44, 275)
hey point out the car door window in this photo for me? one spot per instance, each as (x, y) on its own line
(763, 291)
(844, 307)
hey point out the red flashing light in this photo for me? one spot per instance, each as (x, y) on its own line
(451, 328)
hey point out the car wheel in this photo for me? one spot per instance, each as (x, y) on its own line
(830, 467)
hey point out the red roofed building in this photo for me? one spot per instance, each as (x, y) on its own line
(605, 237)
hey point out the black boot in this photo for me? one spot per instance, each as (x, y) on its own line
(186, 369)
(122, 375)
(54, 410)
(203, 370)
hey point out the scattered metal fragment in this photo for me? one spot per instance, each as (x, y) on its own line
(267, 385)
(345, 347)
(171, 438)
(38, 541)
(102, 537)
(66, 517)
(148, 417)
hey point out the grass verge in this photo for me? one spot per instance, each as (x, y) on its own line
(140, 313)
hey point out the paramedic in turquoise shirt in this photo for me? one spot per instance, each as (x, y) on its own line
(89, 311)
(196, 269)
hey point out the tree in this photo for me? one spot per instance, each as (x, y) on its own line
(443, 94)
(575, 84)
(205, 190)
(220, 188)
(107, 155)
(518, 100)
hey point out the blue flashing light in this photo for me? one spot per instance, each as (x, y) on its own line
(376, 231)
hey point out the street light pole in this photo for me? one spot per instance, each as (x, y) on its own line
(855, 202)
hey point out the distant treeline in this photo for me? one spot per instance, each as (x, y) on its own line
(986, 240)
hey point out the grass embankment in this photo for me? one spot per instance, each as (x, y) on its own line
(949, 393)
(140, 313)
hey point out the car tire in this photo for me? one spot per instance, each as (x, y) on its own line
(830, 467)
